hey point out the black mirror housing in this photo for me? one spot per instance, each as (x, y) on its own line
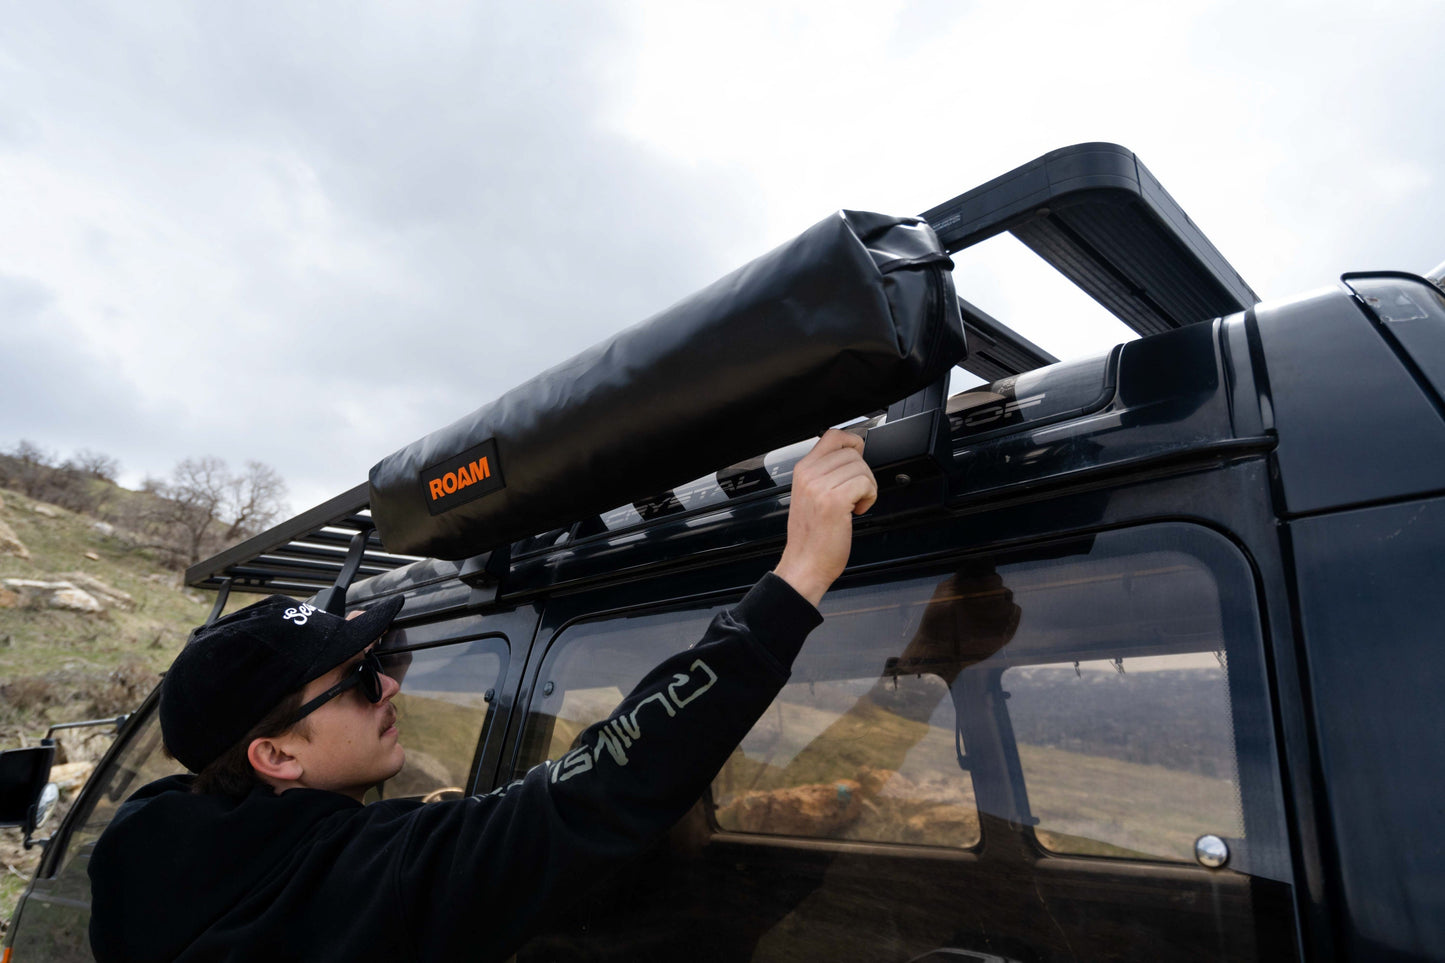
(24, 774)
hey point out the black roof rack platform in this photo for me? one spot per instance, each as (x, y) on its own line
(1097, 215)
(301, 556)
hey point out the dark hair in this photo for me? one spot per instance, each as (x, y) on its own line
(230, 774)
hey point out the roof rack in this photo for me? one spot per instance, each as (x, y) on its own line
(994, 349)
(1098, 217)
(303, 555)
(1092, 211)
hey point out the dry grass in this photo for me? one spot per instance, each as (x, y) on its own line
(64, 666)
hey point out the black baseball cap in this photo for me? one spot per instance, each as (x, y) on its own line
(238, 668)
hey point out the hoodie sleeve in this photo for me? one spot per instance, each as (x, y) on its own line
(481, 871)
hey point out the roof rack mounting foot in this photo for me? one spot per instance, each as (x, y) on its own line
(223, 593)
(910, 450)
(333, 599)
(485, 573)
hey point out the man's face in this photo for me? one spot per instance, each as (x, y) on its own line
(351, 744)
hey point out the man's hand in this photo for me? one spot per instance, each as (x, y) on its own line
(831, 484)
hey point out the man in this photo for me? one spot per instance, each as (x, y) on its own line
(281, 710)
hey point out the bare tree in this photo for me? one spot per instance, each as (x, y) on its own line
(96, 464)
(207, 507)
(254, 499)
(191, 501)
(31, 468)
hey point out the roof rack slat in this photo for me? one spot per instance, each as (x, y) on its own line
(302, 554)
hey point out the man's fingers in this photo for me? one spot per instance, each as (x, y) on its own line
(868, 494)
(834, 440)
(827, 464)
(841, 474)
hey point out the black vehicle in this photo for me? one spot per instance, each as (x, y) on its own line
(1139, 658)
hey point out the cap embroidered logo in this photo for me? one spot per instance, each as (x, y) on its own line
(300, 614)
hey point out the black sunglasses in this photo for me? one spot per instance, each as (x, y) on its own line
(366, 674)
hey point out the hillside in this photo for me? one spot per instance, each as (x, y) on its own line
(63, 658)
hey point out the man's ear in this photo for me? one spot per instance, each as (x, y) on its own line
(272, 762)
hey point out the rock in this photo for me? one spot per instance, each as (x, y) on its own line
(104, 528)
(9, 599)
(72, 599)
(69, 777)
(823, 809)
(10, 543)
(48, 511)
(65, 596)
(107, 595)
(92, 556)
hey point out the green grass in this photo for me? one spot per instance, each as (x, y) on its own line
(65, 666)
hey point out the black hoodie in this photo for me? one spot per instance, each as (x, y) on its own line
(314, 875)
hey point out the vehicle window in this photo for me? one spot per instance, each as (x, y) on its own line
(1118, 697)
(441, 712)
(862, 743)
(53, 922)
(142, 760)
(949, 734)
(590, 668)
(1132, 757)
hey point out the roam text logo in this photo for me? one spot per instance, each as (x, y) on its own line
(463, 478)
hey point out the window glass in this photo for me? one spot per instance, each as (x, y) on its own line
(856, 747)
(1132, 757)
(591, 667)
(863, 742)
(1118, 698)
(441, 711)
(1083, 691)
(141, 761)
(1103, 698)
(867, 759)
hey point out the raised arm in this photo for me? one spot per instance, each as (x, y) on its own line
(517, 852)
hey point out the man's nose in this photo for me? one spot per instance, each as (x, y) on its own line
(389, 686)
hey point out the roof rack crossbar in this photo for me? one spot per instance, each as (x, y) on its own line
(335, 557)
(1099, 217)
(994, 349)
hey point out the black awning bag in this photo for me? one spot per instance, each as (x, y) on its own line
(852, 315)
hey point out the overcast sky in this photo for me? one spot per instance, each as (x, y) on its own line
(309, 233)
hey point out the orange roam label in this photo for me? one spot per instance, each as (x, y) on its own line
(462, 478)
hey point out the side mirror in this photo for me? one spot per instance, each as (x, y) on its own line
(26, 795)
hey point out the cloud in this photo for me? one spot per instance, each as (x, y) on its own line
(311, 235)
(315, 236)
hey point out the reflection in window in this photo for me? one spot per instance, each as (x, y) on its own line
(591, 667)
(1084, 692)
(868, 759)
(441, 710)
(1127, 758)
(1118, 698)
(864, 743)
